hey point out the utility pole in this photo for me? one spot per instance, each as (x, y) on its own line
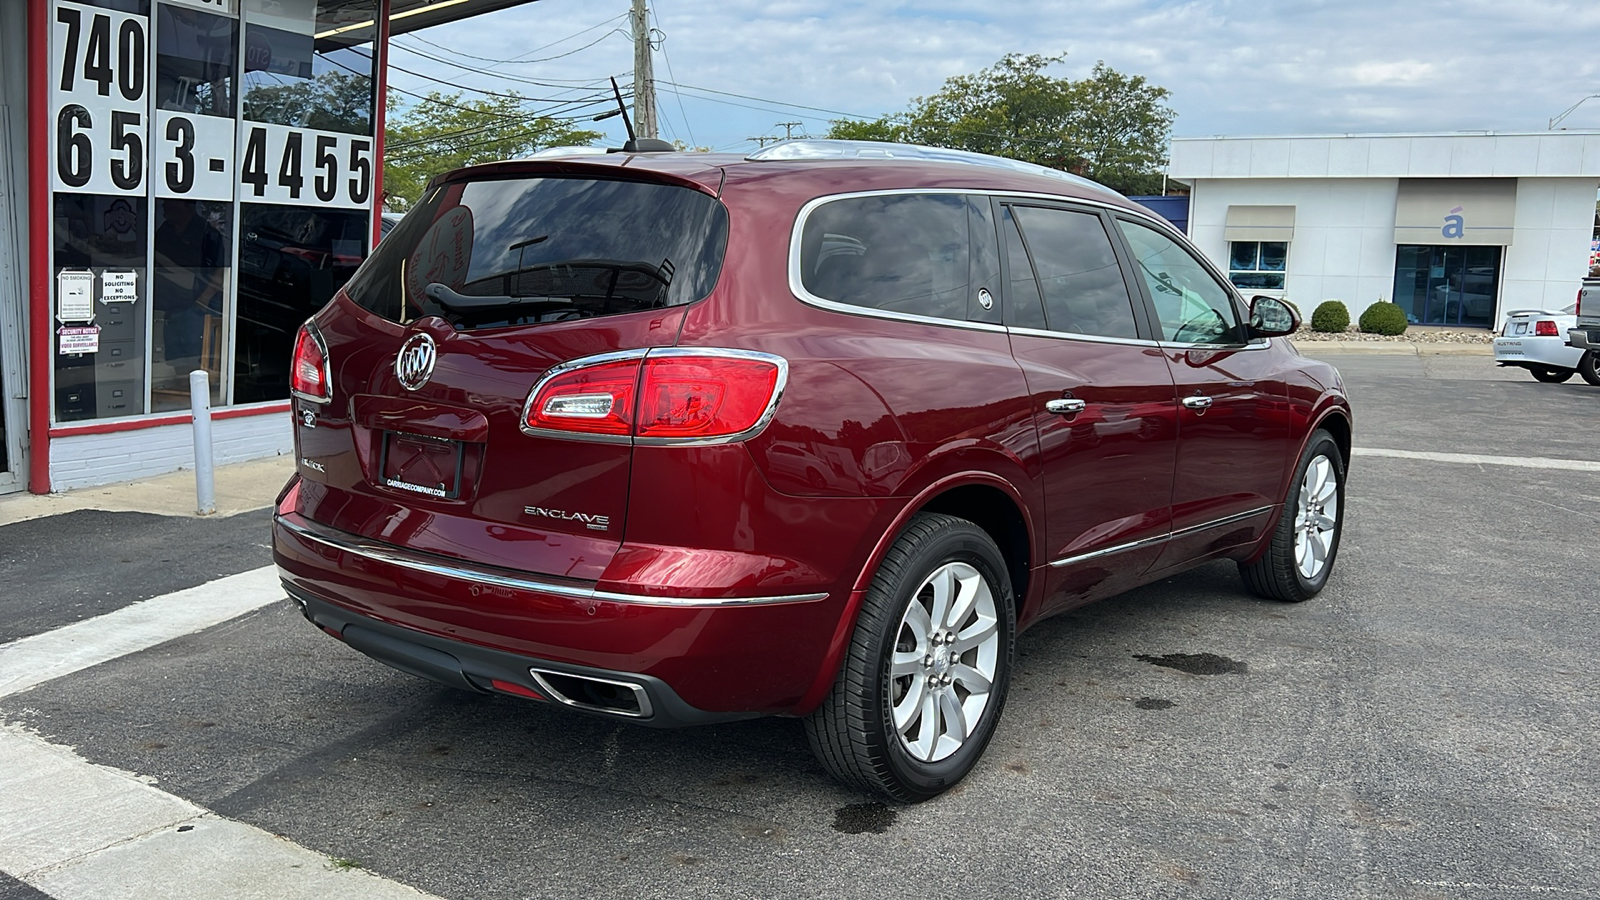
(788, 129)
(763, 138)
(644, 79)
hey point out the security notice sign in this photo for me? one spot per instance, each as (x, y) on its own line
(100, 79)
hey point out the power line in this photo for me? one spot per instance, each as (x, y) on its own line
(520, 60)
(831, 112)
(576, 86)
(675, 93)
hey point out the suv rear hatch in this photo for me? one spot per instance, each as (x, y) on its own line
(498, 275)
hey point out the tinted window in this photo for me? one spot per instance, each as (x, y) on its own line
(1191, 305)
(530, 250)
(904, 253)
(1078, 273)
(1025, 308)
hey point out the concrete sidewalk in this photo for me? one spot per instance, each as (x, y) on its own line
(239, 487)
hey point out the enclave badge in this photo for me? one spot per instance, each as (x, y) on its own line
(414, 364)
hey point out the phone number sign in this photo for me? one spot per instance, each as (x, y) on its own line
(100, 82)
(102, 139)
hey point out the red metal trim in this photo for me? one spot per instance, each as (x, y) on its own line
(233, 412)
(38, 318)
(380, 117)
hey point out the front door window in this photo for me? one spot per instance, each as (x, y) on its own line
(1447, 285)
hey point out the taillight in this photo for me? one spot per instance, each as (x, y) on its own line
(1577, 305)
(308, 373)
(587, 397)
(1545, 328)
(663, 396)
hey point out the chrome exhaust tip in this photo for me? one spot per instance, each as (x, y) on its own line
(604, 695)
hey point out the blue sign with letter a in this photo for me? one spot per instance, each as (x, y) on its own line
(1454, 225)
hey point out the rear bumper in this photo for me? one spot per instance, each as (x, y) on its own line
(695, 659)
(1545, 352)
(1587, 338)
(458, 664)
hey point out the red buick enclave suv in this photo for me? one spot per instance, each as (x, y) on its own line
(683, 438)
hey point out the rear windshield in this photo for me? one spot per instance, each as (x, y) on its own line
(519, 251)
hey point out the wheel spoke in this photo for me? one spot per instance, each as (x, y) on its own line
(1323, 522)
(907, 662)
(975, 635)
(955, 718)
(918, 623)
(966, 595)
(928, 734)
(944, 594)
(905, 712)
(969, 678)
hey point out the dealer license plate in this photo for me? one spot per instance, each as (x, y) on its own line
(421, 465)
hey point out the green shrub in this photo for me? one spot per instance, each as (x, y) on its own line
(1330, 317)
(1383, 318)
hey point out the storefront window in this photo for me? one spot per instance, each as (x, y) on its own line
(101, 293)
(291, 261)
(1447, 285)
(213, 175)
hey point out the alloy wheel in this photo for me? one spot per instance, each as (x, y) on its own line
(1316, 521)
(945, 656)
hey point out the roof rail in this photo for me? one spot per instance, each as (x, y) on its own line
(810, 148)
(552, 152)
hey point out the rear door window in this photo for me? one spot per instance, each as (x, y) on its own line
(1078, 273)
(899, 253)
(521, 251)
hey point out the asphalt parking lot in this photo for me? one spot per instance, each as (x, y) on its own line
(1426, 728)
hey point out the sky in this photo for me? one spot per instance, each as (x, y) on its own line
(1234, 68)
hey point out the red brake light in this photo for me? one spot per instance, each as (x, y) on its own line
(667, 395)
(1578, 303)
(1545, 328)
(308, 373)
(705, 396)
(594, 398)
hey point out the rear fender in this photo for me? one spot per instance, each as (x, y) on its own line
(834, 657)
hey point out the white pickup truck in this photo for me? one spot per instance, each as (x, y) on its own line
(1586, 335)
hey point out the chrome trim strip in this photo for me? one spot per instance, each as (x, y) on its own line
(1120, 548)
(1076, 336)
(640, 696)
(1144, 542)
(417, 562)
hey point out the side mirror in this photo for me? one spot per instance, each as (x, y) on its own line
(1271, 317)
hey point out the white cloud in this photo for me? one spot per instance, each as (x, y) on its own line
(1233, 67)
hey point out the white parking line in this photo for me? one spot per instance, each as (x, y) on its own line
(81, 831)
(1479, 459)
(37, 659)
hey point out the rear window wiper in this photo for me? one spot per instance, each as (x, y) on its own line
(467, 303)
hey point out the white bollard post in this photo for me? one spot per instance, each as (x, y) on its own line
(205, 488)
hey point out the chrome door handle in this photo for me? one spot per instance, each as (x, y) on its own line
(1200, 402)
(1066, 406)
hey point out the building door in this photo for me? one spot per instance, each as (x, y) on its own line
(1456, 285)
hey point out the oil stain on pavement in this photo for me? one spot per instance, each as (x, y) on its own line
(863, 818)
(1197, 663)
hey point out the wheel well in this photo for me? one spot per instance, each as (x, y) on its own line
(1338, 426)
(995, 512)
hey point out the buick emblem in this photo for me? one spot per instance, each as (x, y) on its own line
(414, 365)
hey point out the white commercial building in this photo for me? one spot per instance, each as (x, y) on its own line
(1457, 229)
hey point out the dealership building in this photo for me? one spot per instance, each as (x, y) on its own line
(182, 183)
(1457, 229)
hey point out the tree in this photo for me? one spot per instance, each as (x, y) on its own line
(1109, 126)
(446, 132)
(333, 101)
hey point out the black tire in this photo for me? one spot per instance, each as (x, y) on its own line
(1277, 575)
(1551, 376)
(1589, 367)
(853, 733)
